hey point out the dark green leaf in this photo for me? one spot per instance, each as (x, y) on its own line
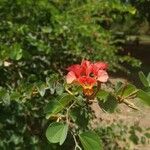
(118, 86)
(90, 141)
(80, 116)
(58, 104)
(147, 135)
(134, 138)
(110, 104)
(57, 132)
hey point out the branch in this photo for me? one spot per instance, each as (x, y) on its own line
(68, 91)
(76, 143)
(129, 104)
(67, 114)
(130, 95)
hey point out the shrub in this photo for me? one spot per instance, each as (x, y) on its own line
(38, 40)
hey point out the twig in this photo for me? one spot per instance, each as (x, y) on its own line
(129, 104)
(125, 101)
(68, 91)
(130, 95)
(76, 143)
(94, 101)
(67, 114)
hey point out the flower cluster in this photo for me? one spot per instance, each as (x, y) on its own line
(87, 75)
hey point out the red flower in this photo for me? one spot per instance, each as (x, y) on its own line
(87, 74)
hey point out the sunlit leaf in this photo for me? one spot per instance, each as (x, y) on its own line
(46, 30)
(4, 96)
(16, 52)
(15, 96)
(148, 78)
(90, 141)
(41, 88)
(103, 95)
(144, 97)
(143, 79)
(59, 88)
(58, 104)
(126, 90)
(57, 132)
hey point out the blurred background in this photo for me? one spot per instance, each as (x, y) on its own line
(40, 38)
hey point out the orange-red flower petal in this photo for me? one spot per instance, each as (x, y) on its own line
(87, 81)
(76, 69)
(101, 65)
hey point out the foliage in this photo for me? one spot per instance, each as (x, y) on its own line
(136, 24)
(38, 40)
(143, 7)
(42, 30)
(145, 93)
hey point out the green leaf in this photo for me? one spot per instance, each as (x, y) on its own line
(144, 97)
(16, 52)
(134, 138)
(41, 88)
(59, 89)
(127, 90)
(4, 96)
(148, 78)
(58, 104)
(109, 104)
(118, 86)
(46, 29)
(15, 96)
(147, 90)
(51, 82)
(103, 95)
(57, 132)
(143, 79)
(147, 135)
(80, 117)
(90, 141)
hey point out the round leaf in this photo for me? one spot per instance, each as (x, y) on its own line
(90, 141)
(57, 132)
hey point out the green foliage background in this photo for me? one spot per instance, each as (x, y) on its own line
(38, 40)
